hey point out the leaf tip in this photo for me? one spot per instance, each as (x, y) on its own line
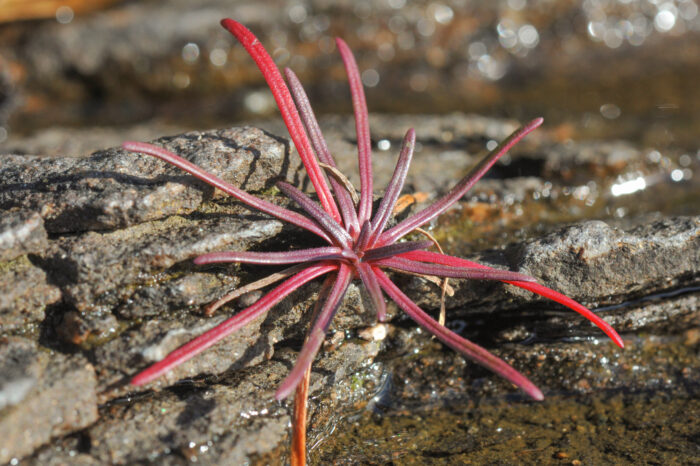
(536, 394)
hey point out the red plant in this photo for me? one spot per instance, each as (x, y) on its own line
(358, 244)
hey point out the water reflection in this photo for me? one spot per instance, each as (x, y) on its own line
(628, 187)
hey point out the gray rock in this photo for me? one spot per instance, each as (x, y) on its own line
(228, 422)
(24, 293)
(21, 233)
(114, 188)
(20, 369)
(603, 264)
(97, 270)
(45, 395)
(141, 345)
(590, 262)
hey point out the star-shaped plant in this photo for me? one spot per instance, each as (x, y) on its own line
(359, 246)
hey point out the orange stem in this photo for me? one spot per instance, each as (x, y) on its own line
(301, 397)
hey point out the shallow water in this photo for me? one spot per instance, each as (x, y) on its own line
(647, 419)
(657, 427)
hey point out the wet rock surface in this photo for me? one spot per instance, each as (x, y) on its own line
(24, 294)
(125, 292)
(602, 405)
(24, 289)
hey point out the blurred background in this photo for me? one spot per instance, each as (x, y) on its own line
(594, 68)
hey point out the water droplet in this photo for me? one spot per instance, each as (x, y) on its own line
(688, 10)
(628, 187)
(385, 51)
(370, 77)
(612, 38)
(425, 28)
(397, 24)
(405, 40)
(476, 50)
(418, 82)
(190, 52)
(64, 14)
(610, 111)
(259, 102)
(443, 14)
(181, 80)
(596, 30)
(528, 36)
(491, 68)
(517, 5)
(297, 13)
(665, 20)
(218, 57)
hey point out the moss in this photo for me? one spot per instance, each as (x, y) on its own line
(19, 263)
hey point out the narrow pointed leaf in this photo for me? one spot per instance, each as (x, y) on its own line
(272, 258)
(372, 286)
(460, 188)
(364, 143)
(316, 212)
(472, 273)
(471, 350)
(248, 199)
(395, 249)
(317, 334)
(286, 107)
(427, 256)
(395, 186)
(347, 208)
(227, 327)
(364, 236)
